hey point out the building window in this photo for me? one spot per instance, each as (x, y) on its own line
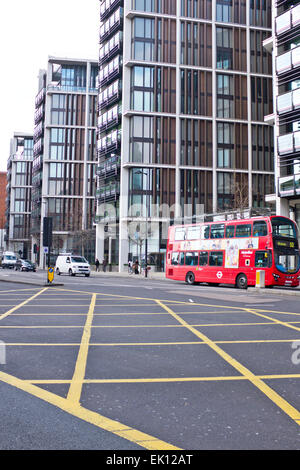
(142, 89)
(225, 190)
(141, 139)
(143, 39)
(225, 144)
(225, 108)
(224, 48)
(224, 11)
(58, 109)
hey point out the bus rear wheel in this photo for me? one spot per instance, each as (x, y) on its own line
(190, 278)
(242, 281)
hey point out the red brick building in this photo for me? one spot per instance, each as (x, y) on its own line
(3, 183)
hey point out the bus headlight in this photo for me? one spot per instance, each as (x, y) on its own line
(276, 276)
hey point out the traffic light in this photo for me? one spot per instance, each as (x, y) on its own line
(47, 231)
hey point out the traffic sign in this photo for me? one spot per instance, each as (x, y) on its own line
(50, 274)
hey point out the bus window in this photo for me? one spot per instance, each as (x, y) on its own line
(229, 231)
(204, 232)
(193, 233)
(263, 259)
(243, 230)
(260, 228)
(216, 258)
(217, 231)
(175, 257)
(203, 258)
(180, 234)
(181, 258)
(191, 259)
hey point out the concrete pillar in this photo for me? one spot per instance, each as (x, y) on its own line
(99, 242)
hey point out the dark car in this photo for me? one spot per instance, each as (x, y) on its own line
(25, 265)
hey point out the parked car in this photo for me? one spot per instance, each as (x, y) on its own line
(25, 265)
(8, 259)
(72, 265)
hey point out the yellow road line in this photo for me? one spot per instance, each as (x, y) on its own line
(274, 320)
(79, 373)
(142, 326)
(171, 343)
(140, 438)
(166, 379)
(292, 412)
(4, 315)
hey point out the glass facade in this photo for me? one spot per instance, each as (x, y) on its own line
(193, 133)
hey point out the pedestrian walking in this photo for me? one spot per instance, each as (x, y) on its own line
(136, 267)
(130, 266)
(104, 264)
(97, 263)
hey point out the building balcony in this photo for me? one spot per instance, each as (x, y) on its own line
(109, 143)
(109, 167)
(110, 95)
(40, 97)
(288, 61)
(38, 147)
(39, 114)
(289, 143)
(288, 20)
(38, 131)
(108, 192)
(111, 25)
(289, 186)
(107, 7)
(110, 71)
(288, 102)
(111, 48)
(110, 119)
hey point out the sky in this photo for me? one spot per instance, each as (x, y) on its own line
(30, 31)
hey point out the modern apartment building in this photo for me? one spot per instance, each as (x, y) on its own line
(65, 155)
(19, 186)
(183, 90)
(2, 209)
(285, 45)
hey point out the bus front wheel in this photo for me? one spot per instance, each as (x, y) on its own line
(190, 278)
(242, 281)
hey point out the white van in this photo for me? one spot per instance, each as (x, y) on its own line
(72, 265)
(8, 259)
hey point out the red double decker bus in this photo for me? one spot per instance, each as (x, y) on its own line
(230, 252)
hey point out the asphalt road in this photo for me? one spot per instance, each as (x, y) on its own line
(129, 363)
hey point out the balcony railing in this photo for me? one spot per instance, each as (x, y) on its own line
(289, 19)
(109, 191)
(288, 102)
(289, 185)
(107, 6)
(110, 71)
(110, 48)
(111, 118)
(289, 143)
(111, 24)
(288, 61)
(38, 115)
(108, 167)
(109, 142)
(110, 94)
(40, 97)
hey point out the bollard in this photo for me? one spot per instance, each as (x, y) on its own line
(260, 278)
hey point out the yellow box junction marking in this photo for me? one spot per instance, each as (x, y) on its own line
(4, 315)
(79, 373)
(144, 440)
(257, 382)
